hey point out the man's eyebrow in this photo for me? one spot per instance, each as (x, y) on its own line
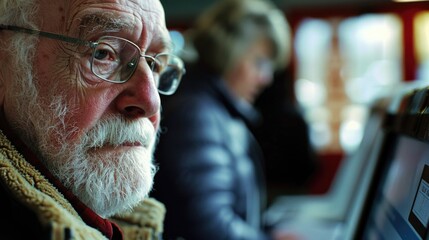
(101, 22)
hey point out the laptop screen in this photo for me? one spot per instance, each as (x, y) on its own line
(399, 208)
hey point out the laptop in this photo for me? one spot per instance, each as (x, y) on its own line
(324, 216)
(339, 214)
(328, 212)
(397, 206)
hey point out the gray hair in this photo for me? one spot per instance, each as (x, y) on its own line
(20, 50)
(227, 30)
(19, 13)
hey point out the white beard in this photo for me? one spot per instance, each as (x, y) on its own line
(108, 182)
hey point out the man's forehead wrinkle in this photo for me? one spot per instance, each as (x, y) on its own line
(133, 16)
(102, 22)
(157, 20)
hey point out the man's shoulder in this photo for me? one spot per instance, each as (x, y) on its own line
(31, 206)
(146, 219)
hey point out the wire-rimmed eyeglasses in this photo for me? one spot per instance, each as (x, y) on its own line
(115, 59)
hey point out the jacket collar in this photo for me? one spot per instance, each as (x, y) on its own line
(109, 229)
(235, 105)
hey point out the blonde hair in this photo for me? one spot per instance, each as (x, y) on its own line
(227, 29)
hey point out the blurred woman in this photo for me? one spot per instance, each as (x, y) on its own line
(210, 176)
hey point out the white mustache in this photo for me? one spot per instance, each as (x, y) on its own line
(117, 131)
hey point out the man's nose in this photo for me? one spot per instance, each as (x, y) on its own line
(140, 97)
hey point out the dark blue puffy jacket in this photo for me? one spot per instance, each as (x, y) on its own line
(210, 175)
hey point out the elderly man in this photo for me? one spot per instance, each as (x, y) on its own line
(79, 84)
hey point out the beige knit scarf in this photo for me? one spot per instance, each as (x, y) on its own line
(34, 191)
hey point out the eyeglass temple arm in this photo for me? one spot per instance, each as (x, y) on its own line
(47, 35)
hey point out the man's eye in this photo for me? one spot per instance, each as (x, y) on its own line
(101, 54)
(105, 52)
(132, 63)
